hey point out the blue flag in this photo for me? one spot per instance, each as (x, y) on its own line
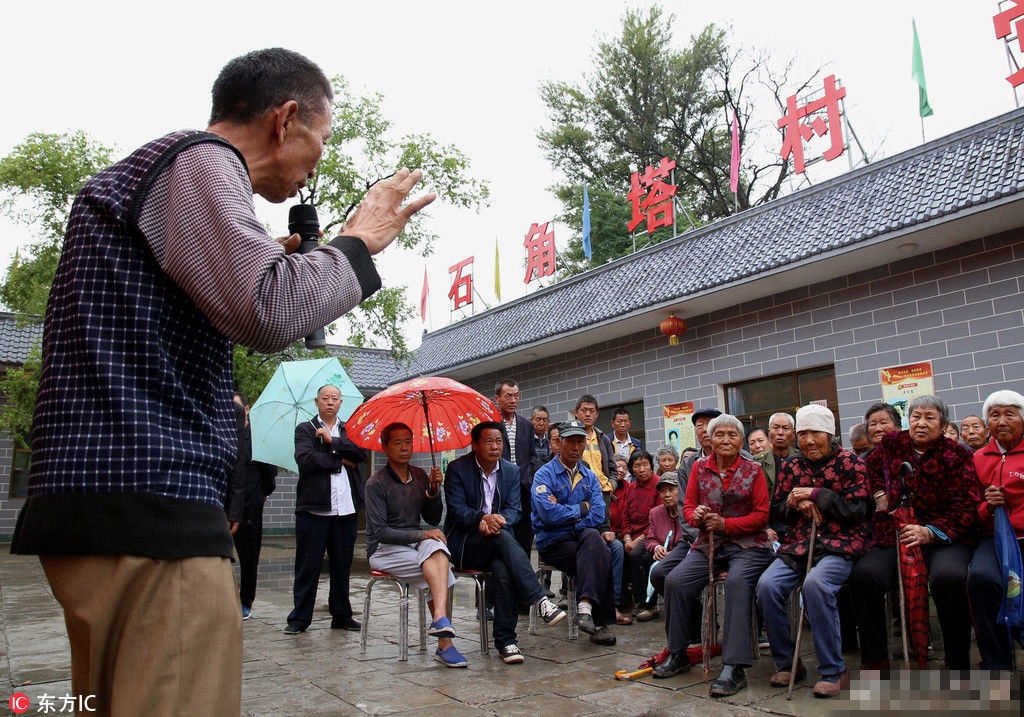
(586, 224)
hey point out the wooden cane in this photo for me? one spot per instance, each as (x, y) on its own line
(800, 624)
(708, 613)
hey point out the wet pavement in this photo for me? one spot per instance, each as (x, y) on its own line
(321, 672)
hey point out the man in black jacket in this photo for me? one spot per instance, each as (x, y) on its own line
(258, 480)
(329, 492)
(517, 434)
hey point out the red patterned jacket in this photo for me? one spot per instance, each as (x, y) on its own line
(840, 485)
(944, 486)
(741, 498)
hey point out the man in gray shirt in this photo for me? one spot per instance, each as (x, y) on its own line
(399, 497)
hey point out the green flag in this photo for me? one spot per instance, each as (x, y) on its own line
(917, 72)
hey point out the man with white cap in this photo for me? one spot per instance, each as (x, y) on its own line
(827, 485)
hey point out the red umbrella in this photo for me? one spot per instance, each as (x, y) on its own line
(441, 413)
(913, 578)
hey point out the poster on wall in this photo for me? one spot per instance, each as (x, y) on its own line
(678, 426)
(446, 458)
(902, 384)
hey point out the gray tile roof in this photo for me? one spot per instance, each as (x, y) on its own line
(371, 370)
(976, 166)
(16, 340)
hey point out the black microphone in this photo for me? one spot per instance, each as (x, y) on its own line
(302, 220)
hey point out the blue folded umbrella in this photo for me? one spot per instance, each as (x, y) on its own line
(1011, 612)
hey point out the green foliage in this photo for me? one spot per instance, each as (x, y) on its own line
(644, 100)
(362, 151)
(38, 181)
(253, 370)
(19, 387)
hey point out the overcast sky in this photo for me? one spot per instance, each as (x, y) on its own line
(469, 73)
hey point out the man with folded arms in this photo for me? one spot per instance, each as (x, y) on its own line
(568, 511)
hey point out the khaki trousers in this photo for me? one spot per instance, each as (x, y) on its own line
(151, 637)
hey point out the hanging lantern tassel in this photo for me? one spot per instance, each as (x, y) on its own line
(673, 327)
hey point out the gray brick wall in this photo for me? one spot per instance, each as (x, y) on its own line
(961, 308)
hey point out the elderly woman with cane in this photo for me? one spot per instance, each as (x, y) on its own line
(822, 495)
(727, 498)
(1000, 466)
(935, 477)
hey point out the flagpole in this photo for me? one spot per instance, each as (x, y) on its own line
(922, 131)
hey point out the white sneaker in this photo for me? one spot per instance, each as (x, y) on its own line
(511, 654)
(550, 612)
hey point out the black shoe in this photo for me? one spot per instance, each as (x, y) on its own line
(730, 681)
(676, 663)
(345, 624)
(294, 628)
(585, 621)
(603, 636)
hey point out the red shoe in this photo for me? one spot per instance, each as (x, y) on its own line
(781, 678)
(827, 688)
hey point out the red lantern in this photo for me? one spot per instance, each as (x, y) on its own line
(673, 327)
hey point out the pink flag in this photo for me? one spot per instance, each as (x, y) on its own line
(734, 164)
(423, 296)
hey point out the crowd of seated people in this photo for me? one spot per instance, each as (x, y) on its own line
(749, 516)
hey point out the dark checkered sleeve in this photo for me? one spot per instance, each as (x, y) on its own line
(200, 223)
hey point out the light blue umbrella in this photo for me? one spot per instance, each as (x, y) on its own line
(288, 400)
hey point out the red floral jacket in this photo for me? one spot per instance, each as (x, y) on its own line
(840, 485)
(944, 488)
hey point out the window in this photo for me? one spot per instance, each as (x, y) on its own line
(753, 402)
(20, 464)
(636, 418)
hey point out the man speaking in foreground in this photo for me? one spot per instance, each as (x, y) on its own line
(164, 266)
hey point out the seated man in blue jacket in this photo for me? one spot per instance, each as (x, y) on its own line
(568, 510)
(481, 490)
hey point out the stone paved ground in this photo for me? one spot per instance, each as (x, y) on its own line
(321, 672)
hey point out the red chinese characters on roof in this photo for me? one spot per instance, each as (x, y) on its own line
(651, 197)
(461, 292)
(1002, 21)
(796, 132)
(540, 251)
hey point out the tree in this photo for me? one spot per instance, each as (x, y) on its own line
(646, 100)
(362, 152)
(253, 369)
(19, 387)
(38, 181)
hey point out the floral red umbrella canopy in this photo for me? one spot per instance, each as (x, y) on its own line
(441, 413)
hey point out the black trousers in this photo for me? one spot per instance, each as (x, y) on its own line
(875, 574)
(586, 556)
(248, 543)
(315, 534)
(523, 530)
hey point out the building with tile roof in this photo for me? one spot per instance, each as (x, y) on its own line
(915, 258)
